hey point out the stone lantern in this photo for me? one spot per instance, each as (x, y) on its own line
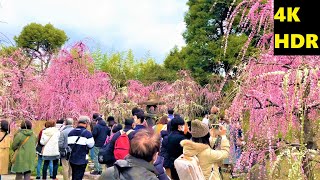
(151, 107)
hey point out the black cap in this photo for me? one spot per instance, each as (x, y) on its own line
(96, 115)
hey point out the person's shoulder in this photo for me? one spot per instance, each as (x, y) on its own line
(116, 135)
(87, 134)
(74, 132)
(108, 174)
(96, 126)
(150, 175)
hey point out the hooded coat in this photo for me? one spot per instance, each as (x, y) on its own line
(25, 159)
(131, 168)
(208, 158)
(100, 133)
(50, 140)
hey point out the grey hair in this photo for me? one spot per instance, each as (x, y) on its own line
(84, 118)
(69, 121)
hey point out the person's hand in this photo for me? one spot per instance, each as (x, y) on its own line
(222, 130)
(133, 125)
(213, 133)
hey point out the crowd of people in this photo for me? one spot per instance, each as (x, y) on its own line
(132, 151)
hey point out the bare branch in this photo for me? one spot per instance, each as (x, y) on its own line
(259, 102)
(271, 103)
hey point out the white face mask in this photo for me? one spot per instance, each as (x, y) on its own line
(181, 127)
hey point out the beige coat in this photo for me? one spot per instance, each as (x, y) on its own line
(208, 158)
(4, 153)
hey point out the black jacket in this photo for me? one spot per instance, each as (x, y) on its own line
(164, 148)
(100, 133)
(174, 147)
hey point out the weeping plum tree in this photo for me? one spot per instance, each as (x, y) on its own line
(18, 86)
(68, 88)
(186, 96)
(277, 99)
(280, 97)
(71, 86)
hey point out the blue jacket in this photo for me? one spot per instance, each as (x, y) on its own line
(138, 127)
(80, 149)
(100, 133)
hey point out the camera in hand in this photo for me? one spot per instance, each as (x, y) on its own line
(215, 126)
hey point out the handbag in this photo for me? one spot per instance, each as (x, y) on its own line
(14, 156)
(65, 151)
(39, 149)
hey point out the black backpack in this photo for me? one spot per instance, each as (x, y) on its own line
(104, 157)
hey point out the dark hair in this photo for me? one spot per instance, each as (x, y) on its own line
(144, 145)
(140, 115)
(116, 128)
(95, 115)
(203, 140)
(205, 112)
(61, 121)
(176, 115)
(135, 110)
(26, 124)
(189, 124)
(170, 111)
(99, 118)
(4, 126)
(110, 118)
(128, 122)
(175, 122)
(163, 120)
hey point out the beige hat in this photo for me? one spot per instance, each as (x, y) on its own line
(199, 129)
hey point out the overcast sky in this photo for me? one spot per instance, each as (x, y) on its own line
(146, 26)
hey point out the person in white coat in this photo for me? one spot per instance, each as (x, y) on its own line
(50, 141)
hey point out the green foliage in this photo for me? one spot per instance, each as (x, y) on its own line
(203, 55)
(41, 42)
(246, 121)
(123, 66)
(231, 57)
(7, 51)
(175, 59)
(152, 72)
(36, 36)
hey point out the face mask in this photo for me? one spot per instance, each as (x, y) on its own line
(181, 128)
